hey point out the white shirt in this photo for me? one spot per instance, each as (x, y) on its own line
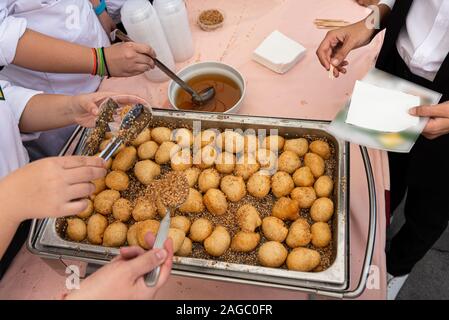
(71, 20)
(423, 42)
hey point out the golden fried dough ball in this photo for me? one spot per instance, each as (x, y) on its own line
(281, 184)
(99, 184)
(194, 202)
(303, 177)
(161, 134)
(183, 137)
(115, 234)
(208, 179)
(125, 159)
(321, 148)
(147, 150)
(215, 202)
(143, 228)
(274, 143)
(131, 235)
(324, 186)
(142, 137)
(274, 229)
(144, 209)
(104, 200)
(233, 187)
(288, 162)
(246, 166)
(321, 234)
(86, 213)
(218, 242)
(299, 234)
(322, 210)
(305, 196)
(299, 146)
(267, 159)
(206, 137)
(245, 241)
(286, 209)
(192, 175)
(200, 230)
(165, 151)
(160, 207)
(76, 229)
(230, 141)
(117, 180)
(272, 254)
(181, 223)
(248, 218)
(259, 185)
(95, 228)
(205, 157)
(121, 209)
(251, 143)
(182, 160)
(186, 248)
(177, 236)
(146, 171)
(225, 163)
(315, 163)
(303, 259)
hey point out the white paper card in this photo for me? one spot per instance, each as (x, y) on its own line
(381, 109)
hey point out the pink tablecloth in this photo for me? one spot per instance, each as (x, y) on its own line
(304, 92)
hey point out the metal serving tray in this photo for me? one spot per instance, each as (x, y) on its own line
(45, 241)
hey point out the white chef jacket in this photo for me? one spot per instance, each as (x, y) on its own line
(71, 20)
(12, 152)
(423, 42)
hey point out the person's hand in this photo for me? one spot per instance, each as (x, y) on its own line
(123, 278)
(367, 3)
(128, 59)
(438, 124)
(51, 187)
(107, 23)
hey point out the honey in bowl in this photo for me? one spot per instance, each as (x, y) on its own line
(227, 93)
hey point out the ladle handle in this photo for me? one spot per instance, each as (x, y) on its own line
(175, 78)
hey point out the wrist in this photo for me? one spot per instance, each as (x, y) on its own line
(12, 215)
(100, 7)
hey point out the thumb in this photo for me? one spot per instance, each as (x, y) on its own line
(341, 53)
(439, 111)
(147, 262)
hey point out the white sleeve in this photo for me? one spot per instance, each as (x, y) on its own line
(17, 98)
(11, 29)
(114, 7)
(389, 3)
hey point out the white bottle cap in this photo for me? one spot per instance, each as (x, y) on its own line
(135, 11)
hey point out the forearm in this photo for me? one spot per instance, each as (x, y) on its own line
(8, 220)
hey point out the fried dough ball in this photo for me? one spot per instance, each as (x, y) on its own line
(246, 166)
(215, 202)
(117, 180)
(182, 160)
(305, 196)
(192, 175)
(324, 186)
(181, 223)
(186, 248)
(259, 185)
(315, 163)
(303, 259)
(143, 228)
(183, 137)
(286, 209)
(76, 229)
(144, 209)
(177, 236)
(161, 134)
(131, 235)
(225, 163)
(248, 218)
(205, 157)
(233, 187)
(303, 177)
(115, 234)
(125, 159)
(104, 200)
(146, 171)
(281, 184)
(321, 148)
(208, 179)
(142, 137)
(95, 228)
(165, 152)
(206, 137)
(321, 234)
(274, 143)
(160, 207)
(274, 229)
(218, 242)
(194, 202)
(299, 234)
(245, 241)
(231, 141)
(322, 210)
(299, 146)
(288, 162)
(147, 150)
(86, 213)
(200, 230)
(272, 254)
(99, 184)
(267, 159)
(122, 209)
(251, 143)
